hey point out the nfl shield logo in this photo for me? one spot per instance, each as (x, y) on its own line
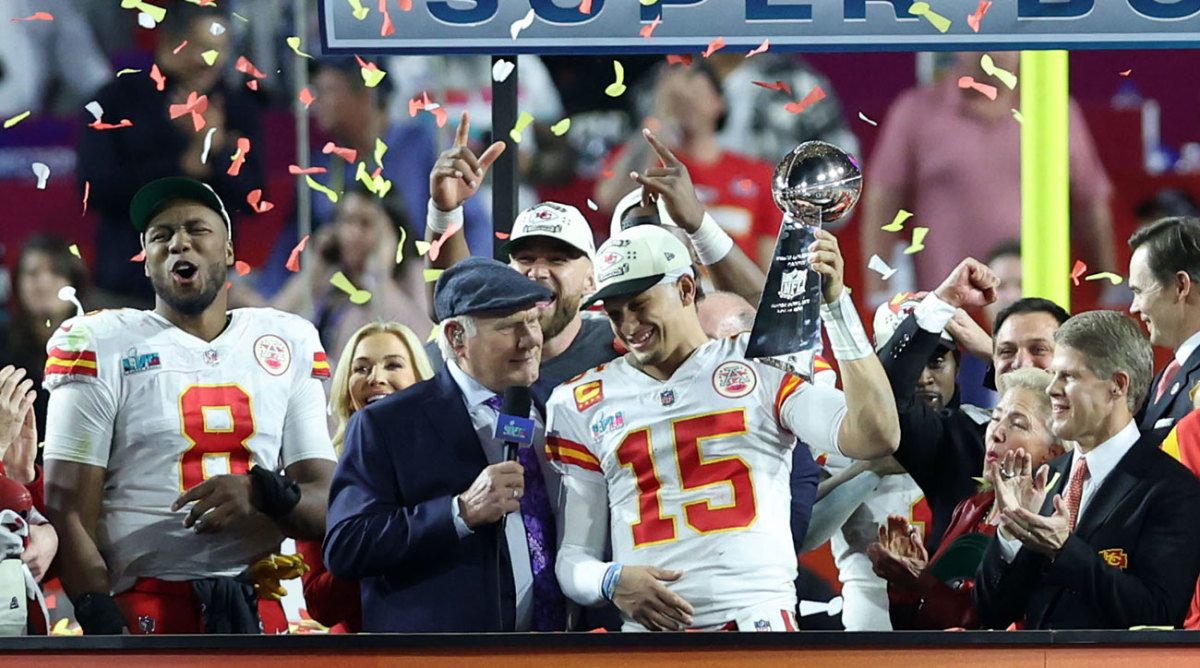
(762, 625)
(211, 357)
(667, 397)
(791, 284)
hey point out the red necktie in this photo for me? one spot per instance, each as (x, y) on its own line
(1079, 473)
(1165, 381)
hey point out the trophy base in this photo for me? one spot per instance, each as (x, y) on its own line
(799, 363)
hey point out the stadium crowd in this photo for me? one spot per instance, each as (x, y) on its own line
(572, 437)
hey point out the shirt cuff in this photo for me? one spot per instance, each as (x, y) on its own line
(460, 525)
(933, 314)
(1008, 548)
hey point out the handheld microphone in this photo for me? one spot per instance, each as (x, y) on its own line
(513, 426)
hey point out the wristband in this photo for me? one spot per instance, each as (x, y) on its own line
(98, 614)
(608, 586)
(711, 242)
(275, 493)
(439, 221)
(847, 337)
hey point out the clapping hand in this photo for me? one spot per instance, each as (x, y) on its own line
(1015, 484)
(899, 557)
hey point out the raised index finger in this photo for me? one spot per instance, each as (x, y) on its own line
(664, 154)
(463, 133)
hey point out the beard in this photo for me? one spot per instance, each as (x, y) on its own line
(193, 304)
(556, 319)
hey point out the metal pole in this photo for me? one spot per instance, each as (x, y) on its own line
(1045, 177)
(300, 111)
(504, 171)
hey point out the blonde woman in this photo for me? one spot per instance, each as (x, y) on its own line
(380, 359)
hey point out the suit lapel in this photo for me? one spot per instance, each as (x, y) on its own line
(1116, 486)
(1157, 410)
(448, 415)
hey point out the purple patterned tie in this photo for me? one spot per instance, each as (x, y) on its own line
(549, 606)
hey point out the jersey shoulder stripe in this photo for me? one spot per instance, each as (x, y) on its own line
(566, 451)
(67, 362)
(320, 366)
(787, 388)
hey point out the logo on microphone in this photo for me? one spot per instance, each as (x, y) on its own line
(515, 429)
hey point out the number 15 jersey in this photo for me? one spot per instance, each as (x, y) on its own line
(695, 471)
(162, 411)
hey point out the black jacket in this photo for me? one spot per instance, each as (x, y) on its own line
(1158, 417)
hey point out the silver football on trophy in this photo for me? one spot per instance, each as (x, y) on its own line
(817, 174)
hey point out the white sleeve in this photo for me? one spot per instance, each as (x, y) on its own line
(305, 430)
(79, 423)
(814, 414)
(580, 567)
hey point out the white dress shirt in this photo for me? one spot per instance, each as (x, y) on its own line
(1185, 349)
(1101, 460)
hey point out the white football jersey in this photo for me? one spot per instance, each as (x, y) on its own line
(161, 411)
(696, 469)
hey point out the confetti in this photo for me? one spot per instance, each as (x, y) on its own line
(1125, 73)
(160, 81)
(501, 69)
(293, 261)
(812, 98)
(1078, 271)
(244, 66)
(974, 19)
(179, 48)
(863, 117)
(918, 241)
(157, 12)
(761, 48)
(371, 73)
(502, 235)
(617, 88)
(87, 191)
(423, 247)
(1018, 115)
(1115, 279)
(256, 202)
(585, 7)
(778, 85)
(386, 28)
(877, 264)
(521, 24)
(252, 84)
(42, 171)
(196, 105)
(970, 82)
(405, 5)
(312, 183)
(241, 18)
(294, 43)
(523, 121)
(242, 268)
(380, 150)
(94, 109)
(359, 11)
(897, 223)
(435, 248)
(560, 128)
(99, 125)
(937, 20)
(36, 16)
(127, 70)
(207, 145)
(679, 59)
(592, 205)
(146, 21)
(989, 67)
(140, 257)
(647, 31)
(210, 57)
(306, 97)
(348, 154)
(647, 3)
(297, 170)
(714, 46)
(215, 28)
(239, 157)
(74, 251)
(432, 275)
(16, 119)
(400, 245)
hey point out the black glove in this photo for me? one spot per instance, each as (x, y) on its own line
(98, 614)
(274, 494)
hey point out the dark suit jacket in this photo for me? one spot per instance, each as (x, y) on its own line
(1142, 519)
(1175, 401)
(390, 521)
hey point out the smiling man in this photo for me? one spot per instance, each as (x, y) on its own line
(1163, 275)
(165, 434)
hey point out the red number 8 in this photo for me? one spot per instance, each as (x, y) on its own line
(229, 443)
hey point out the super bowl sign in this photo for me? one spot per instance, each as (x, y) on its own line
(689, 26)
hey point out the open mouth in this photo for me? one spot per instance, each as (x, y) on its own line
(546, 305)
(376, 397)
(641, 340)
(184, 271)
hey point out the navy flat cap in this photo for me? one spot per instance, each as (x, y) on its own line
(483, 284)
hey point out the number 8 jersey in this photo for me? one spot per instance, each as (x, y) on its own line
(161, 411)
(694, 474)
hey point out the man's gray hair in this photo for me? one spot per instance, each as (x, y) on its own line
(1110, 343)
(466, 322)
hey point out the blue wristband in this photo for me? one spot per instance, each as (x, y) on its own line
(608, 586)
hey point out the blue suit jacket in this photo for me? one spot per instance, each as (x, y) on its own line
(390, 521)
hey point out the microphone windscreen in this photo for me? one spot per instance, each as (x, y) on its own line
(516, 401)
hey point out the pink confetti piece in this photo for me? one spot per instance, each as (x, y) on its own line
(196, 105)
(405, 5)
(683, 59)
(970, 82)
(714, 46)
(647, 31)
(246, 67)
(974, 19)
(87, 191)
(160, 81)
(293, 261)
(585, 7)
(140, 257)
(435, 248)
(99, 125)
(387, 28)
(1125, 73)
(1078, 271)
(298, 170)
(242, 268)
(778, 85)
(348, 154)
(239, 158)
(502, 235)
(252, 84)
(306, 98)
(761, 48)
(255, 200)
(179, 48)
(812, 98)
(36, 16)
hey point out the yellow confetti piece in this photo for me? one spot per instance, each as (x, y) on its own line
(1115, 279)
(75, 251)
(127, 70)
(240, 17)
(432, 275)
(647, 3)
(560, 128)
(312, 183)
(157, 13)
(918, 241)
(380, 149)
(210, 56)
(433, 334)
(937, 20)
(523, 122)
(339, 281)
(16, 119)
(617, 88)
(359, 11)
(989, 67)
(423, 247)
(897, 223)
(294, 43)
(372, 76)
(1019, 116)
(400, 245)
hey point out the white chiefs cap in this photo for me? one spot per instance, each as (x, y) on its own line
(636, 260)
(890, 314)
(631, 200)
(556, 221)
